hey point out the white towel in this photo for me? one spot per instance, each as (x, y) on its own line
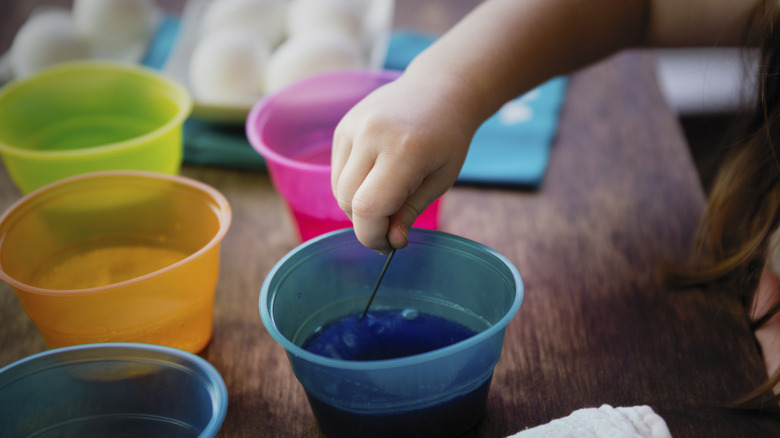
(604, 422)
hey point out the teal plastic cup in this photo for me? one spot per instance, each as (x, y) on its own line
(438, 393)
(111, 390)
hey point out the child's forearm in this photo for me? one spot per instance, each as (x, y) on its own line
(401, 147)
(506, 47)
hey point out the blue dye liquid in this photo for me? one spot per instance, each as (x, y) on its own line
(446, 420)
(388, 334)
(385, 334)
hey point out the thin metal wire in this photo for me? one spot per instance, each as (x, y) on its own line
(376, 286)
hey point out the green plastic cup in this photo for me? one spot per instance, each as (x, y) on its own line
(91, 116)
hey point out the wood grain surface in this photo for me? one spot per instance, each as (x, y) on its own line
(596, 325)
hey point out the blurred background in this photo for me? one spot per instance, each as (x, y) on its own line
(706, 87)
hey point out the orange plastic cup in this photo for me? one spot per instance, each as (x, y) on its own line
(117, 256)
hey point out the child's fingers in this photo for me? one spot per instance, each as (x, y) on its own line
(350, 178)
(383, 193)
(403, 219)
(340, 151)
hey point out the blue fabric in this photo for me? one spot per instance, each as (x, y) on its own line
(162, 43)
(209, 144)
(513, 146)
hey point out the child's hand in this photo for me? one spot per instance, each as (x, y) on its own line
(395, 153)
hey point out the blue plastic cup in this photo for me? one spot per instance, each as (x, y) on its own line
(440, 393)
(111, 389)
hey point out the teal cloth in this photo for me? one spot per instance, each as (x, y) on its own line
(208, 144)
(511, 148)
(162, 42)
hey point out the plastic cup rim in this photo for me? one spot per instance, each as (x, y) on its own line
(256, 114)
(224, 215)
(211, 376)
(291, 348)
(183, 101)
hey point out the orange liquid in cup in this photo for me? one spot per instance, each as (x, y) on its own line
(187, 323)
(102, 266)
(117, 257)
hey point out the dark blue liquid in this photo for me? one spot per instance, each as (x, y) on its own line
(389, 334)
(385, 334)
(447, 420)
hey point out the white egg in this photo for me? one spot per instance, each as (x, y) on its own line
(228, 66)
(344, 16)
(263, 17)
(309, 54)
(45, 39)
(116, 29)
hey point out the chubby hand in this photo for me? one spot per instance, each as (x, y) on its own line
(394, 153)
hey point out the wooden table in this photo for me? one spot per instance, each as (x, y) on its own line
(596, 325)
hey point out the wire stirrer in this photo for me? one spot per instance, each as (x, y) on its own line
(376, 286)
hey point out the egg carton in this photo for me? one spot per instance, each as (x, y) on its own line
(91, 29)
(376, 28)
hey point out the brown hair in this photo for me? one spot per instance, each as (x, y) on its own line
(732, 243)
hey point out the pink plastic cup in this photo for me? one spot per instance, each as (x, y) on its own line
(293, 130)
